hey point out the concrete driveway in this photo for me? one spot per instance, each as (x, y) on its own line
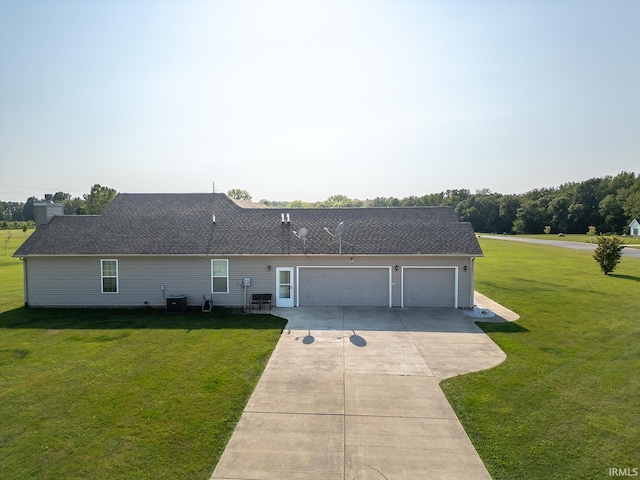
(352, 394)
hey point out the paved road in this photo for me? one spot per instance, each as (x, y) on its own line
(627, 252)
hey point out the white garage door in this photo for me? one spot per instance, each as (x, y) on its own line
(343, 287)
(429, 287)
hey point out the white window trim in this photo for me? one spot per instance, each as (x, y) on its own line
(102, 276)
(212, 277)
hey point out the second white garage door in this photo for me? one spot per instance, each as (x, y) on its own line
(344, 287)
(429, 287)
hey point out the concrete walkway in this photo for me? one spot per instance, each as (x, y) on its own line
(496, 312)
(352, 394)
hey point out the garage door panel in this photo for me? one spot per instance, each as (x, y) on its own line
(342, 287)
(429, 287)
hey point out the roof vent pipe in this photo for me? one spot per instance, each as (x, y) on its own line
(213, 218)
(282, 217)
(288, 218)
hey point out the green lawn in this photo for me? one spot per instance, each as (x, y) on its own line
(565, 402)
(11, 286)
(121, 394)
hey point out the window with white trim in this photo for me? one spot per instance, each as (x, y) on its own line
(219, 276)
(109, 274)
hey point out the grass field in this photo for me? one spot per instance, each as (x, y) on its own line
(565, 402)
(11, 286)
(121, 394)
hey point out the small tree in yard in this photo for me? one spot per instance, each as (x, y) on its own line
(6, 242)
(608, 253)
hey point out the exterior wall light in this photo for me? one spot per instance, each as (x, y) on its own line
(396, 268)
(269, 267)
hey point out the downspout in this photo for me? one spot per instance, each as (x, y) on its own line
(26, 288)
(472, 281)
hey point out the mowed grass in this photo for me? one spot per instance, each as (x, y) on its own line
(566, 402)
(121, 394)
(11, 285)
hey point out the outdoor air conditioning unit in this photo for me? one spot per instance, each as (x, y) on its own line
(176, 304)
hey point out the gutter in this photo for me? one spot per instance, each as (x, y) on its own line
(112, 254)
(26, 288)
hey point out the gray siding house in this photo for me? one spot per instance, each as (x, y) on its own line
(147, 247)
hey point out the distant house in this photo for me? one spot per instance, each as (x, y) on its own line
(634, 228)
(147, 247)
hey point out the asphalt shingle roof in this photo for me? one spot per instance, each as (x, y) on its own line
(181, 224)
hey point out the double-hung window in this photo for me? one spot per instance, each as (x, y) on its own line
(220, 276)
(109, 276)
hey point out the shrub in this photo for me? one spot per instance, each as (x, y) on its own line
(608, 253)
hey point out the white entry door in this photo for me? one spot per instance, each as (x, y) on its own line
(284, 286)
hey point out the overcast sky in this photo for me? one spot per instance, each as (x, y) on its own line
(302, 100)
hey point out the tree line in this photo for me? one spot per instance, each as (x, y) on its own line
(608, 203)
(92, 203)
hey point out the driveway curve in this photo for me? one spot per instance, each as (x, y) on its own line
(590, 247)
(352, 393)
